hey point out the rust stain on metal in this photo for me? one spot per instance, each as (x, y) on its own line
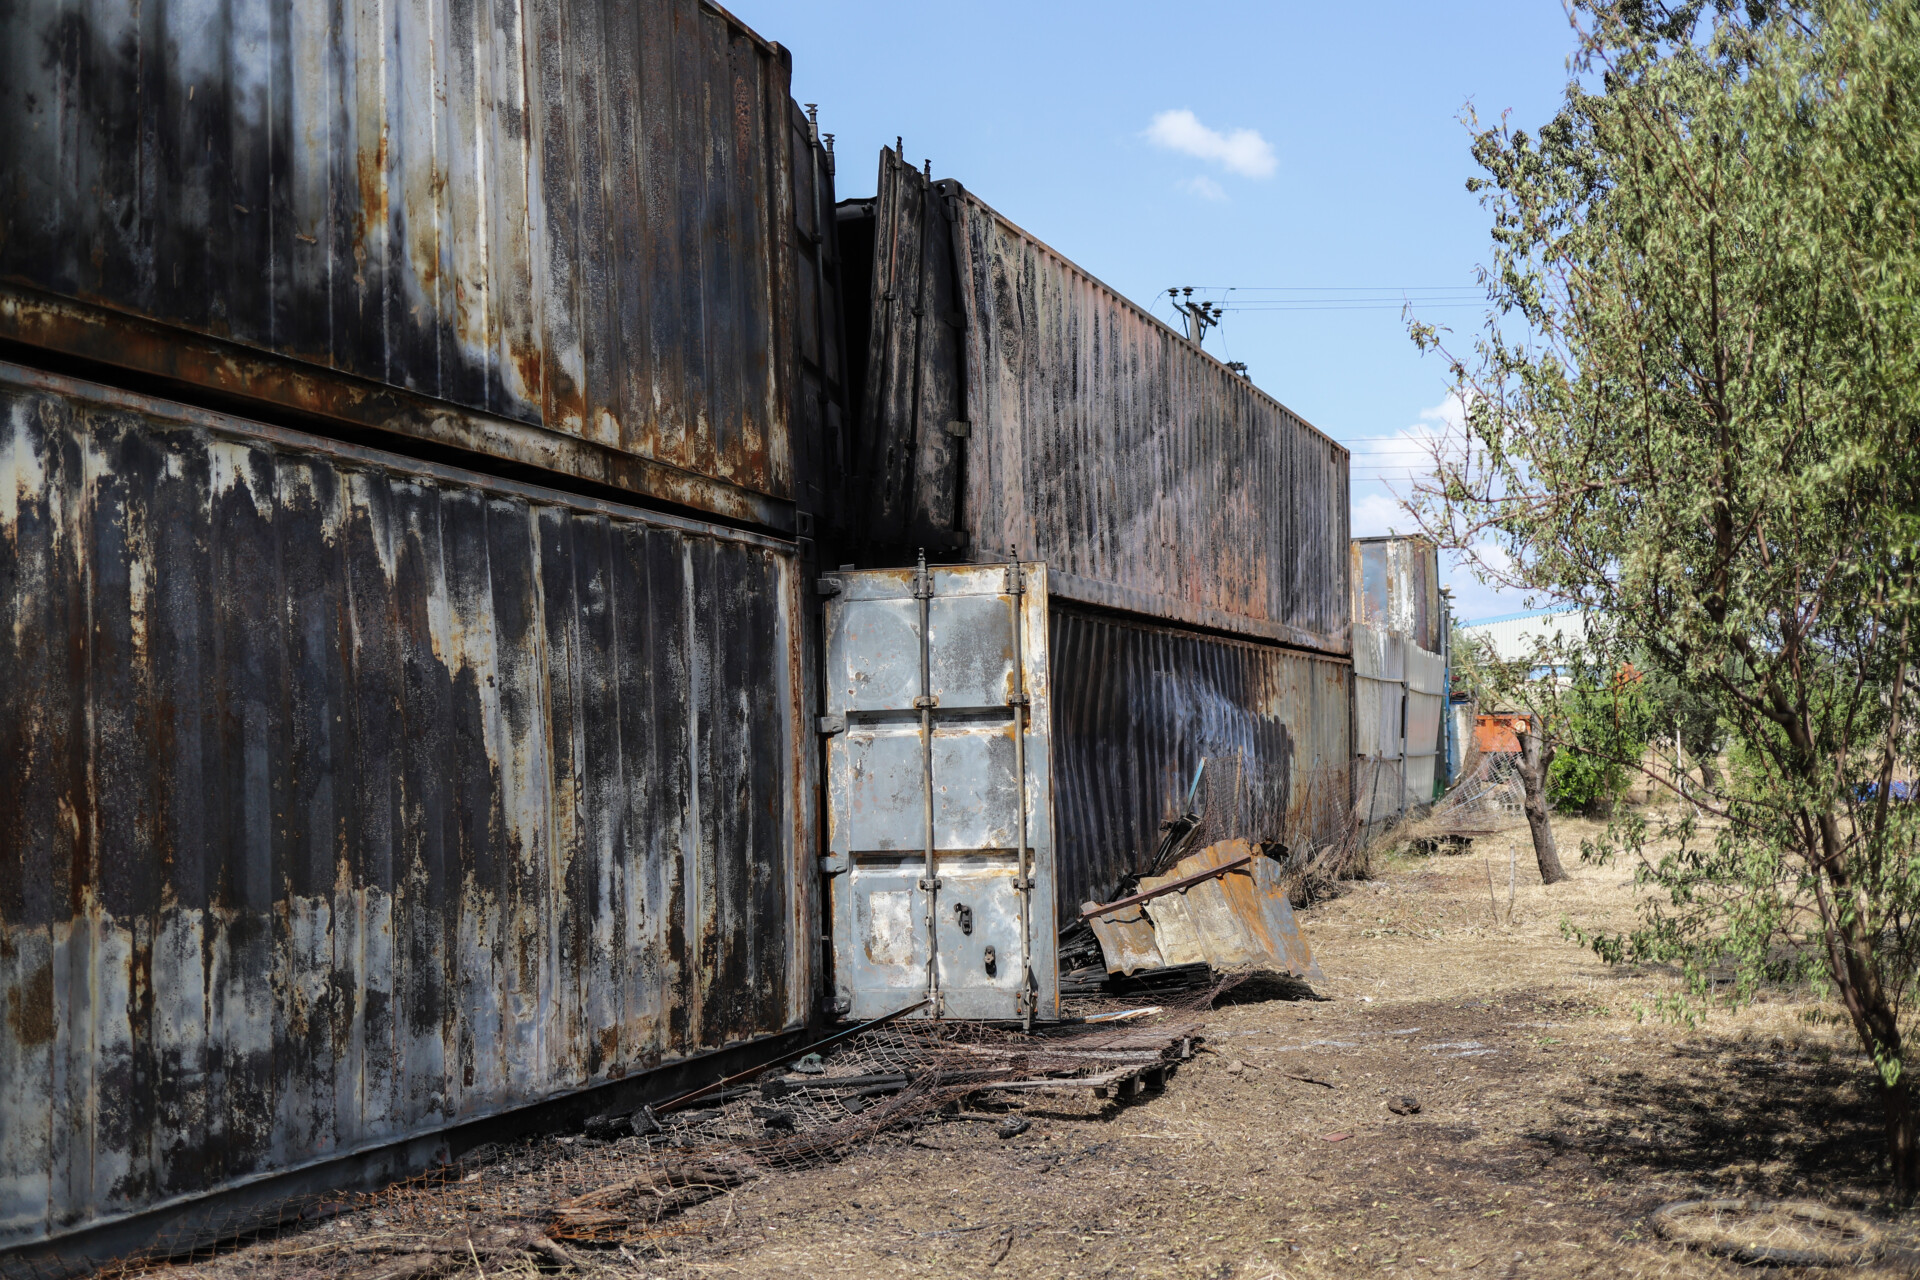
(1138, 706)
(353, 796)
(1011, 400)
(327, 398)
(1241, 919)
(576, 218)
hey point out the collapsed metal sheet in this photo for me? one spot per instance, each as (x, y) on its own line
(349, 797)
(1012, 402)
(1126, 938)
(576, 234)
(1239, 919)
(896, 901)
(1136, 709)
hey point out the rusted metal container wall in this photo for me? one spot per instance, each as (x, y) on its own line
(1026, 406)
(1379, 724)
(820, 422)
(344, 797)
(1138, 706)
(1400, 678)
(559, 232)
(1396, 587)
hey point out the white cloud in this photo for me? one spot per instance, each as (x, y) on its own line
(1377, 514)
(1387, 469)
(1204, 187)
(1242, 151)
(1407, 456)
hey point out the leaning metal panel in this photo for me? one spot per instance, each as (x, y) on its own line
(938, 712)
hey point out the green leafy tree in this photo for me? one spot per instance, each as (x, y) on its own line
(1678, 707)
(1602, 730)
(1694, 409)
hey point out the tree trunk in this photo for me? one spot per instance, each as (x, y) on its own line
(1535, 756)
(1903, 1137)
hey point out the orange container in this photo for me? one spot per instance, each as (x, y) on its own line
(1496, 733)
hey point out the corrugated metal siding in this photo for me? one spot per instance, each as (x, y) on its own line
(821, 423)
(1137, 707)
(1400, 679)
(343, 797)
(1379, 726)
(1146, 474)
(570, 215)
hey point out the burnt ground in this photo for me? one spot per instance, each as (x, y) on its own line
(1552, 1120)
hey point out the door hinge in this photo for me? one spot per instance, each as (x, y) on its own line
(834, 864)
(959, 428)
(829, 586)
(830, 725)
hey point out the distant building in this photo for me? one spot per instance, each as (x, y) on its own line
(1514, 636)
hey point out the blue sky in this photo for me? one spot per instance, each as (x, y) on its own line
(1323, 156)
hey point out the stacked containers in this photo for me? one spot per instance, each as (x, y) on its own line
(383, 752)
(579, 237)
(1400, 676)
(1195, 530)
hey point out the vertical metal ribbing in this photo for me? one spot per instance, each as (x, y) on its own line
(1016, 592)
(929, 882)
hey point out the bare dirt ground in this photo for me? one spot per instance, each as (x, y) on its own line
(1552, 1120)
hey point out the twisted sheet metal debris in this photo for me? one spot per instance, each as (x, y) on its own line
(1238, 918)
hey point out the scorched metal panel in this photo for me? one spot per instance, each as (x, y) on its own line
(1396, 587)
(559, 232)
(1013, 403)
(345, 797)
(1137, 707)
(940, 825)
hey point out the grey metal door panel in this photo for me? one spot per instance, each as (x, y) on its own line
(992, 939)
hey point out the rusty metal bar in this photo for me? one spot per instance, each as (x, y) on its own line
(929, 879)
(1183, 882)
(1016, 592)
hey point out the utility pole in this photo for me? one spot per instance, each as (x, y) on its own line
(1201, 316)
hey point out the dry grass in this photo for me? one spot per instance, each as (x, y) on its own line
(1552, 1121)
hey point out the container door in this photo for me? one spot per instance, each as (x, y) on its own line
(937, 762)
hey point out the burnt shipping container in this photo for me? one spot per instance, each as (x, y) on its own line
(345, 798)
(1400, 665)
(581, 236)
(1139, 706)
(1011, 402)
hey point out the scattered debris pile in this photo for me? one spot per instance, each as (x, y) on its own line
(1187, 916)
(578, 1200)
(1486, 800)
